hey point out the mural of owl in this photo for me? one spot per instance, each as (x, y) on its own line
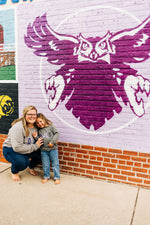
(95, 75)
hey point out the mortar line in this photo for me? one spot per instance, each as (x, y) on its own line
(137, 195)
(5, 170)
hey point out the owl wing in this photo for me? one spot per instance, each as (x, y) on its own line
(58, 48)
(132, 45)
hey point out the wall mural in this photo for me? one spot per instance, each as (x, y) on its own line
(95, 72)
(87, 69)
(8, 105)
(8, 83)
(7, 45)
(5, 2)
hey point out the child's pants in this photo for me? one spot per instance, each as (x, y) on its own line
(47, 157)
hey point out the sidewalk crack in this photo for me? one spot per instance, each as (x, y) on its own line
(137, 195)
(5, 170)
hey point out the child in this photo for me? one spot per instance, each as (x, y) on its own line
(49, 149)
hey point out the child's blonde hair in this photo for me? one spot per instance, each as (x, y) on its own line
(23, 119)
(47, 121)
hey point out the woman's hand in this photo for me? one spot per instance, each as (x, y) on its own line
(39, 142)
(34, 134)
(50, 145)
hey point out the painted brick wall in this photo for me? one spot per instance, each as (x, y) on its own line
(112, 124)
(89, 115)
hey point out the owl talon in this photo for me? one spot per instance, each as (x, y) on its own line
(134, 86)
(55, 84)
(52, 105)
(49, 83)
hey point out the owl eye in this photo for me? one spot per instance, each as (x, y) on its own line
(102, 45)
(85, 46)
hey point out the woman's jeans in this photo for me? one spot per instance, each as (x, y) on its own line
(47, 157)
(21, 161)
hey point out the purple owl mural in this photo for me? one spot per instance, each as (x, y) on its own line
(95, 74)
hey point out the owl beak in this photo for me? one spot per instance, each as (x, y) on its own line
(93, 55)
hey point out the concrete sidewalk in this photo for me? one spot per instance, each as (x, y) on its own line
(76, 201)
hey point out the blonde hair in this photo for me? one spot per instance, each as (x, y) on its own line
(47, 121)
(23, 119)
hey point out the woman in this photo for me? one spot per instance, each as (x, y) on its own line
(20, 148)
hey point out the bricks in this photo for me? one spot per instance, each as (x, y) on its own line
(85, 166)
(81, 151)
(99, 168)
(102, 163)
(96, 163)
(128, 173)
(81, 160)
(3, 160)
(106, 175)
(86, 147)
(134, 180)
(141, 170)
(100, 149)
(121, 167)
(119, 177)
(144, 155)
(115, 151)
(2, 138)
(109, 165)
(130, 153)
(108, 155)
(139, 159)
(92, 172)
(125, 157)
(113, 171)
(96, 153)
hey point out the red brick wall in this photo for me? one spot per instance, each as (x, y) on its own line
(2, 138)
(115, 165)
